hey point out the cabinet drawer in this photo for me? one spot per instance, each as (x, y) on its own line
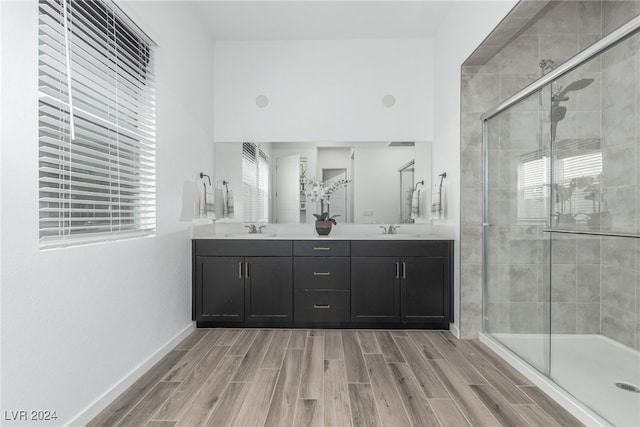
(321, 248)
(422, 248)
(321, 273)
(321, 306)
(222, 247)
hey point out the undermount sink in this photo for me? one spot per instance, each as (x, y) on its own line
(250, 235)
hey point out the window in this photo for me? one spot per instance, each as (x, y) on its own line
(255, 183)
(96, 124)
(577, 167)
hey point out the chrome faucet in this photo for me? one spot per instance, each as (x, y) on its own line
(391, 230)
(255, 230)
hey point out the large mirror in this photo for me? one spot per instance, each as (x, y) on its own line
(361, 182)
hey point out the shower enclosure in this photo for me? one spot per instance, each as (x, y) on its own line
(561, 228)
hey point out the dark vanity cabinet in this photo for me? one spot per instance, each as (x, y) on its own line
(375, 289)
(233, 288)
(401, 281)
(323, 283)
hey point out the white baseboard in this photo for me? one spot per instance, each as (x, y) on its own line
(110, 395)
(454, 330)
(545, 384)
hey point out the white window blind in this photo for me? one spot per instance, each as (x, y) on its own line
(255, 183)
(577, 167)
(96, 124)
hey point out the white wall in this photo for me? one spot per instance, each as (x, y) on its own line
(466, 26)
(77, 321)
(324, 90)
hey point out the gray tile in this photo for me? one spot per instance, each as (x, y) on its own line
(471, 169)
(523, 251)
(619, 82)
(521, 129)
(637, 331)
(509, 162)
(558, 47)
(588, 250)
(520, 56)
(523, 283)
(617, 13)
(470, 300)
(588, 318)
(493, 284)
(493, 170)
(479, 92)
(618, 288)
(590, 17)
(563, 249)
(616, 123)
(563, 318)
(563, 283)
(523, 317)
(471, 206)
(588, 283)
(544, 318)
(471, 132)
(561, 19)
(504, 283)
(638, 293)
(544, 283)
(621, 204)
(498, 245)
(619, 165)
(568, 127)
(589, 99)
(619, 325)
(471, 245)
(619, 252)
(512, 83)
(594, 65)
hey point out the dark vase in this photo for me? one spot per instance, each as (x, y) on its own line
(323, 227)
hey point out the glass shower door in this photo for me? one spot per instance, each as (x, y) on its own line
(595, 287)
(517, 269)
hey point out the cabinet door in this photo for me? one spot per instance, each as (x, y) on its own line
(269, 289)
(425, 293)
(219, 289)
(375, 289)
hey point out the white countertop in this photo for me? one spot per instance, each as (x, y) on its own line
(231, 231)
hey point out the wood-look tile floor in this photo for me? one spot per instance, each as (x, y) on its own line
(253, 378)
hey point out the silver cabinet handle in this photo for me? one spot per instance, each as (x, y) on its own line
(246, 269)
(240, 270)
(321, 249)
(404, 270)
(320, 273)
(397, 270)
(321, 306)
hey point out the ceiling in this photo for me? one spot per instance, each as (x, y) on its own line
(312, 20)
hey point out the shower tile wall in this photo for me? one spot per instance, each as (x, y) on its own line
(564, 29)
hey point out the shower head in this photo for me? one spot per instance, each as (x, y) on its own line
(577, 85)
(557, 113)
